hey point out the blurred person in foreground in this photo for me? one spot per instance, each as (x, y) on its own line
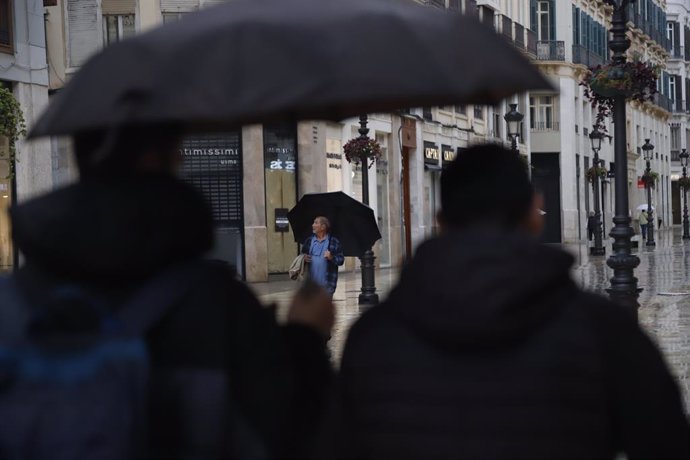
(486, 348)
(223, 371)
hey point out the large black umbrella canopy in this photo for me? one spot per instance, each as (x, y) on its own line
(352, 222)
(268, 60)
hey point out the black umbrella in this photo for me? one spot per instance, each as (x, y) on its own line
(352, 222)
(267, 60)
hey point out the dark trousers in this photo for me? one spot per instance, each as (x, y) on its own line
(643, 230)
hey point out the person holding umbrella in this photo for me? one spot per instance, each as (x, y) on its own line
(324, 254)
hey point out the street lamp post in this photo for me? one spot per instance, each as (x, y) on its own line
(648, 150)
(513, 120)
(595, 138)
(623, 284)
(368, 295)
(684, 155)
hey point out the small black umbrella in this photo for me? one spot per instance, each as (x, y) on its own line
(252, 61)
(352, 222)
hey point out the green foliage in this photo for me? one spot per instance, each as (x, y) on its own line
(635, 80)
(649, 179)
(12, 125)
(594, 171)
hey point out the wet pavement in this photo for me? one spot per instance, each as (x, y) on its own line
(665, 300)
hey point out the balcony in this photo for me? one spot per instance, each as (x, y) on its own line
(543, 126)
(519, 36)
(551, 51)
(532, 43)
(679, 106)
(674, 155)
(506, 27)
(582, 55)
(677, 52)
(663, 102)
(436, 3)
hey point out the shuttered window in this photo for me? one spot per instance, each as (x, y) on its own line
(6, 38)
(179, 6)
(83, 30)
(118, 7)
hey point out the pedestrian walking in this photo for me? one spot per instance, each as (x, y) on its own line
(324, 255)
(120, 254)
(591, 225)
(487, 349)
(644, 220)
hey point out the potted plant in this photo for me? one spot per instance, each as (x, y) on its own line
(360, 148)
(635, 80)
(649, 179)
(12, 125)
(596, 171)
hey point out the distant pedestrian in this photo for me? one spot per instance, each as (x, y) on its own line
(644, 221)
(324, 255)
(591, 225)
(487, 349)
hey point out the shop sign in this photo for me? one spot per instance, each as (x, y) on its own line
(448, 154)
(280, 148)
(282, 225)
(409, 133)
(640, 183)
(431, 153)
(335, 160)
(213, 165)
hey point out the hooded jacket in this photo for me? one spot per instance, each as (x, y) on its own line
(486, 349)
(111, 236)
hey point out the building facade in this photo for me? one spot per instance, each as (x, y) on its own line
(24, 71)
(572, 36)
(678, 35)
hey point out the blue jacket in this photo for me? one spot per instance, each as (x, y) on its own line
(338, 259)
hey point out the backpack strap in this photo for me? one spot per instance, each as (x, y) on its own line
(150, 303)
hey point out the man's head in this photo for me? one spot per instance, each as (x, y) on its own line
(487, 185)
(125, 150)
(321, 226)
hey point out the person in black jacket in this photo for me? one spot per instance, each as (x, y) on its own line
(129, 219)
(486, 349)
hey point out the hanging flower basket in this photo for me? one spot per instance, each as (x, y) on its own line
(684, 182)
(360, 148)
(596, 171)
(649, 179)
(634, 80)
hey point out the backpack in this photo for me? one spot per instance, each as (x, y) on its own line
(84, 396)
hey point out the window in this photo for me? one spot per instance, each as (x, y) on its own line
(544, 21)
(6, 26)
(670, 32)
(461, 109)
(117, 27)
(541, 113)
(172, 17)
(672, 89)
(478, 112)
(426, 113)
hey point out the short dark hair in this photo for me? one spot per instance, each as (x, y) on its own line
(486, 185)
(116, 149)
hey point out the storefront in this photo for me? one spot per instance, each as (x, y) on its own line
(432, 188)
(213, 165)
(6, 194)
(280, 172)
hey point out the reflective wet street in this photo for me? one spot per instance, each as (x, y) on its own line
(665, 300)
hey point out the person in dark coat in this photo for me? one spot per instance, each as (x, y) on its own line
(591, 225)
(129, 219)
(486, 348)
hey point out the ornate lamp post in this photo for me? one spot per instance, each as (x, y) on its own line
(513, 119)
(595, 138)
(623, 284)
(368, 296)
(648, 150)
(684, 155)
